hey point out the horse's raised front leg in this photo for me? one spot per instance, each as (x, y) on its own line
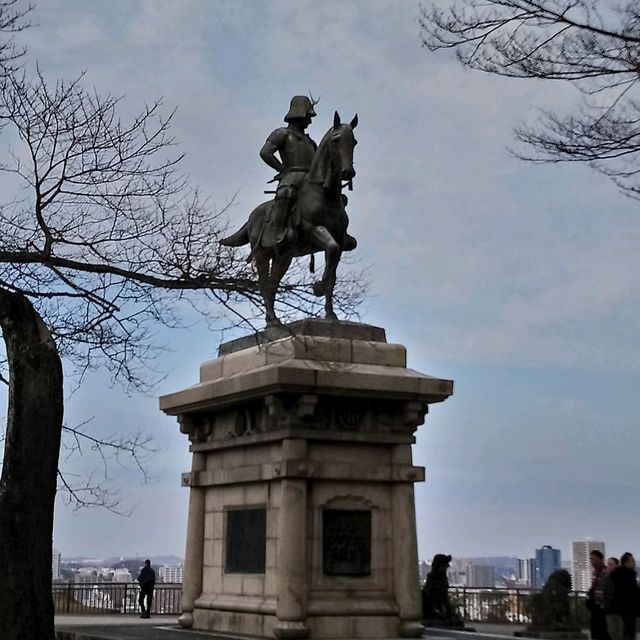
(321, 237)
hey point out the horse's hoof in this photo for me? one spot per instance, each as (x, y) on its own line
(318, 289)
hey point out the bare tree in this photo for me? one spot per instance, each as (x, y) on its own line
(594, 44)
(102, 240)
(28, 481)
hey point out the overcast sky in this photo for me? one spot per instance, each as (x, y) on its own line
(519, 282)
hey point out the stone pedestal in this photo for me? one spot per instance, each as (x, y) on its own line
(301, 513)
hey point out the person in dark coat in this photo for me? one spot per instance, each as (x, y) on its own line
(621, 599)
(147, 580)
(595, 597)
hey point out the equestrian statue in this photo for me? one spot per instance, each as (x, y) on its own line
(308, 212)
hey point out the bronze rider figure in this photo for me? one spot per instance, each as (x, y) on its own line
(296, 150)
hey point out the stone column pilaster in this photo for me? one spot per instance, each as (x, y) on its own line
(291, 603)
(192, 582)
(406, 584)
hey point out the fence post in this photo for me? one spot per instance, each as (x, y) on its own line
(124, 600)
(68, 597)
(464, 603)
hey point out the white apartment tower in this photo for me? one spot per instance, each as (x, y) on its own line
(581, 564)
(526, 572)
(171, 574)
(55, 564)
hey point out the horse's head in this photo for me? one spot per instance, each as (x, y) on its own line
(333, 161)
(343, 141)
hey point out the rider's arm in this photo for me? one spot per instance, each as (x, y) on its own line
(273, 144)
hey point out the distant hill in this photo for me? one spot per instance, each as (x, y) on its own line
(114, 562)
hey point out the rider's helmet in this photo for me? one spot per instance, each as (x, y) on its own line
(300, 107)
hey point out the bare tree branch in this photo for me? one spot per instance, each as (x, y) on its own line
(593, 44)
(95, 489)
(89, 493)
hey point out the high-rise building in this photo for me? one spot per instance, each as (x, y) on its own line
(526, 572)
(481, 575)
(172, 574)
(423, 570)
(581, 563)
(122, 574)
(55, 564)
(547, 561)
(457, 572)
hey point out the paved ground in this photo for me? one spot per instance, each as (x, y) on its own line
(123, 628)
(112, 620)
(129, 627)
(496, 629)
(481, 631)
(129, 632)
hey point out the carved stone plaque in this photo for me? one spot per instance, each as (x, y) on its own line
(346, 542)
(246, 540)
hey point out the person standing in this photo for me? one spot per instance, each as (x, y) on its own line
(147, 580)
(621, 599)
(612, 563)
(595, 597)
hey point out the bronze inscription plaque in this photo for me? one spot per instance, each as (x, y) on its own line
(246, 540)
(346, 542)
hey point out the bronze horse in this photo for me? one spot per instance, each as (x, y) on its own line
(319, 219)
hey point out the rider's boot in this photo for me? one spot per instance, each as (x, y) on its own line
(287, 236)
(276, 231)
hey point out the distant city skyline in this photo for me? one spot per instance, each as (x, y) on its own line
(567, 555)
(168, 569)
(470, 571)
(513, 571)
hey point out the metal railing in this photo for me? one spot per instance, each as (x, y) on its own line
(473, 604)
(505, 605)
(113, 597)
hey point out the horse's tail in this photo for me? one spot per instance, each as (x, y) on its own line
(239, 238)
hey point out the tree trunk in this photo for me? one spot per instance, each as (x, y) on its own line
(29, 472)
